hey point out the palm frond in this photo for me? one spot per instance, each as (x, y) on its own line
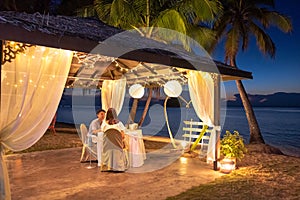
(220, 27)
(123, 15)
(203, 10)
(204, 36)
(280, 21)
(232, 42)
(263, 40)
(171, 19)
(102, 8)
(244, 35)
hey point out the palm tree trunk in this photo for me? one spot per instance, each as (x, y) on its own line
(133, 111)
(146, 107)
(255, 134)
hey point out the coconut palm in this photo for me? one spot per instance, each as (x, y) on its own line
(241, 19)
(186, 17)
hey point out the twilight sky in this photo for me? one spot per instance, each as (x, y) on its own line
(281, 74)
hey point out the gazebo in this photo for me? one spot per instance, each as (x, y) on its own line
(43, 54)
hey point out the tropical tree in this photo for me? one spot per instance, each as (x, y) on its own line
(187, 17)
(239, 20)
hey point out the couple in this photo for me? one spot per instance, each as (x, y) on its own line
(114, 156)
(111, 121)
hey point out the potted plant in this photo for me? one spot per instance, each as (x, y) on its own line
(232, 148)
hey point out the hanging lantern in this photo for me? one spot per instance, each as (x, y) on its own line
(136, 91)
(172, 88)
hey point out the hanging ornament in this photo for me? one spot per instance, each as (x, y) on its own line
(172, 88)
(136, 91)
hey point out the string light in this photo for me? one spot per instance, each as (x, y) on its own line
(11, 49)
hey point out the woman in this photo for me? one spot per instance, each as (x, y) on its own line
(113, 156)
(112, 121)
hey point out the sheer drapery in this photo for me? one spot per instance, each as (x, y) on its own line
(31, 88)
(201, 89)
(113, 93)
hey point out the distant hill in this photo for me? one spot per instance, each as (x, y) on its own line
(279, 99)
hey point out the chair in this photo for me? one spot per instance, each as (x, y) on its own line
(85, 145)
(114, 155)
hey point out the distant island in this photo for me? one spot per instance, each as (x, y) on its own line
(278, 99)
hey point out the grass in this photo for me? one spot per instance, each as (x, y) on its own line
(49, 141)
(272, 177)
(61, 140)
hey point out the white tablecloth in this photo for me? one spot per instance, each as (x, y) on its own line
(135, 143)
(136, 147)
(99, 140)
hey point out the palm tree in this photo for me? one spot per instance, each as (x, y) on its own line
(186, 17)
(241, 19)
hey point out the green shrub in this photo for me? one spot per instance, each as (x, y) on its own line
(232, 145)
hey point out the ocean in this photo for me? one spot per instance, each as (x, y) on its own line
(280, 127)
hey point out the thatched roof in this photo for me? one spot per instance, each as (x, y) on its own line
(129, 50)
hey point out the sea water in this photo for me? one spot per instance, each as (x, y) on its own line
(280, 127)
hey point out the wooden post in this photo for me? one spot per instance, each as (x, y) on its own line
(217, 99)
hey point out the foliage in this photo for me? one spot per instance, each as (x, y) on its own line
(232, 145)
(242, 19)
(239, 21)
(266, 177)
(190, 18)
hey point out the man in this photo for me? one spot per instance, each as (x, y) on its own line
(95, 126)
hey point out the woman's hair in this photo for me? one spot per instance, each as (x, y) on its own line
(111, 116)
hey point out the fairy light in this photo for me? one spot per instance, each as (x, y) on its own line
(11, 49)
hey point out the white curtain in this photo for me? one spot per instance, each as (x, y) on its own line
(201, 89)
(113, 93)
(31, 88)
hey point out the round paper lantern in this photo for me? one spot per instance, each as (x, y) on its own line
(173, 88)
(136, 91)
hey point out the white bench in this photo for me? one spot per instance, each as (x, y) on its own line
(192, 131)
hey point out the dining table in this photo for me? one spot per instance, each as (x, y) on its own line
(134, 143)
(136, 147)
(98, 139)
